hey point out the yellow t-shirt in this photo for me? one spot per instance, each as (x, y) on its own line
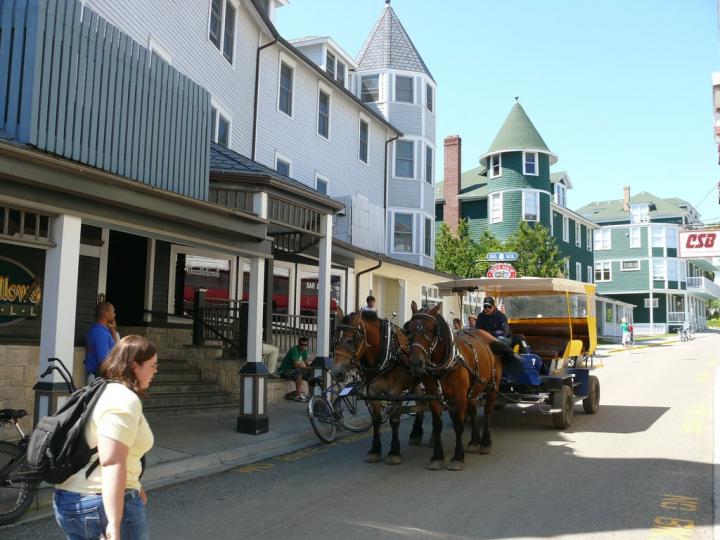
(118, 415)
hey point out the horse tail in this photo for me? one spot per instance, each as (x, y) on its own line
(510, 362)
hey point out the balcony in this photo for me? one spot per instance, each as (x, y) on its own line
(76, 86)
(703, 287)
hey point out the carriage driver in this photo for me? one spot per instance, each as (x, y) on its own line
(493, 321)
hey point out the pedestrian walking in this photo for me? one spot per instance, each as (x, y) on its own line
(105, 499)
(625, 329)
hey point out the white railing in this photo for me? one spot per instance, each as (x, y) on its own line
(676, 316)
(705, 284)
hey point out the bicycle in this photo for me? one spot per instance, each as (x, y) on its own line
(18, 484)
(338, 406)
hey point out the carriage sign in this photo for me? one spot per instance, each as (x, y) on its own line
(502, 256)
(501, 271)
(699, 244)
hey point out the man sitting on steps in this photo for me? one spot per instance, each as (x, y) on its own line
(296, 366)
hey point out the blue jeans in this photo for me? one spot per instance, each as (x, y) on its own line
(82, 516)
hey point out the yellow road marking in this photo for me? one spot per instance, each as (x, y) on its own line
(703, 377)
(253, 467)
(694, 423)
(301, 454)
(680, 502)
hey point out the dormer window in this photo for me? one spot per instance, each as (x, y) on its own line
(530, 163)
(639, 213)
(495, 165)
(561, 194)
(340, 72)
(330, 64)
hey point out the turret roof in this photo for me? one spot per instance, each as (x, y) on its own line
(516, 134)
(389, 47)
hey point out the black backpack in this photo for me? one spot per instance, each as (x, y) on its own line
(57, 447)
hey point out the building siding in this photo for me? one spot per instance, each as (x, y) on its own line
(406, 117)
(403, 193)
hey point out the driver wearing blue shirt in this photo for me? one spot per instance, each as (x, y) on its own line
(99, 340)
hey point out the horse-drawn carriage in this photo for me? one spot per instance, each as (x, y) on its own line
(555, 318)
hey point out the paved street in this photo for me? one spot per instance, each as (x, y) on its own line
(643, 462)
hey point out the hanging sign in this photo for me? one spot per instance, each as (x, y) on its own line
(20, 292)
(501, 271)
(698, 244)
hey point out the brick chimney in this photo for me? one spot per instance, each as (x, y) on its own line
(451, 211)
(626, 199)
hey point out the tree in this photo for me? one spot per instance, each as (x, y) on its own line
(456, 253)
(538, 253)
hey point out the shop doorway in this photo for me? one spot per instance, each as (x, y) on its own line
(127, 258)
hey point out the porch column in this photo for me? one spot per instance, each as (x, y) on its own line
(253, 376)
(57, 327)
(323, 359)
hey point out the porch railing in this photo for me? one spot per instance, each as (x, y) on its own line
(704, 284)
(287, 329)
(676, 316)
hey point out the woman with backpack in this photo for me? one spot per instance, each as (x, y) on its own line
(105, 499)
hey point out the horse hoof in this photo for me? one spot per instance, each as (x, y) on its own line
(415, 441)
(485, 450)
(393, 460)
(436, 465)
(473, 448)
(456, 466)
(373, 458)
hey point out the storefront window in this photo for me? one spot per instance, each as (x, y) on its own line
(195, 272)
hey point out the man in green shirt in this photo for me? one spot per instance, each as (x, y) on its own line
(296, 366)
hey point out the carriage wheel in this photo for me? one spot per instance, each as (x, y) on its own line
(564, 401)
(591, 403)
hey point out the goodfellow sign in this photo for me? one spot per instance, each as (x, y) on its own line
(699, 244)
(20, 292)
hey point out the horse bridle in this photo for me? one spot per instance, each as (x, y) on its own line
(360, 343)
(420, 329)
(359, 340)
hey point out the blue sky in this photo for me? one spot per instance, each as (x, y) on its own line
(619, 89)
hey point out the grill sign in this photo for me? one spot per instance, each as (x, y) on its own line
(697, 244)
(20, 292)
(501, 271)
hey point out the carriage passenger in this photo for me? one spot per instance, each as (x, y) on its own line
(493, 321)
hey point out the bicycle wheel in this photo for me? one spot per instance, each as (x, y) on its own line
(322, 418)
(15, 496)
(353, 413)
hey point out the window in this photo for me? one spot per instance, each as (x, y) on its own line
(363, 149)
(286, 89)
(404, 89)
(639, 213)
(330, 64)
(222, 27)
(658, 270)
(635, 237)
(403, 234)
(321, 184)
(496, 207)
(658, 237)
(629, 266)
(495, 165)
(323, 126)
(531, 205)
(530, 163)
(682, 270)
(428, 237)
(428, 165)
(671, 238)
(404, 163)
(429, 95)
(602, 239)
(219, 127)
(566, 272)
(589, 274)
(561, 194)
(370, 88)
(578, 235)
(578, 271)
(603, 271)
(552, 223)
(655, 302)
(282, 166)
(588, 238)
(672, 269)
(341, 71)
(566, 229)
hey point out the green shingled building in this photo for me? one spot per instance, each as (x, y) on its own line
(513, 183)
(636, 261)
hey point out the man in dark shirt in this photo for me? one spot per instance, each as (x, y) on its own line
(493, 321)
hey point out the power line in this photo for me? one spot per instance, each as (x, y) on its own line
(708, 193)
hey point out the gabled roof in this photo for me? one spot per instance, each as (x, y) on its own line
(608, 211)
(516, 134)
(555, 177)
(473, 184)
(389, 47)
(307, 41)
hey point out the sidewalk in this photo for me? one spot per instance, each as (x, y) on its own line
(643, 342)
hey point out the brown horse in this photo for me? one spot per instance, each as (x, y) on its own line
(457, 370)
(378, 349)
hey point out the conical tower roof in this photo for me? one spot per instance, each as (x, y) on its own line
(518, 134)
(389, 47)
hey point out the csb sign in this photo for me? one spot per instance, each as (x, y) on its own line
(698, 244)
(501, 271)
